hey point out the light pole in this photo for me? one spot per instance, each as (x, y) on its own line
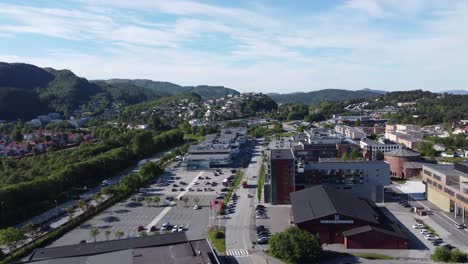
(56, 209)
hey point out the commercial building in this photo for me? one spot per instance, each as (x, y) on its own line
(216, 150)
(371, 147)
(363, 178)
(338, 216)
(447, 187)
(281, 174)
(404, 163)
(173, 248)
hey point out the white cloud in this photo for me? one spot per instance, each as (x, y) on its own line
(339, 48)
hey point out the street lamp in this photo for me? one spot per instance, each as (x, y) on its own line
(56, 209)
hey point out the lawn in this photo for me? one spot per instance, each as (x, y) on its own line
(428, 228)
(193, 137)
(398, 180)
(218, 243)
(373, 256)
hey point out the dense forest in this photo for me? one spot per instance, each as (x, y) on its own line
(28, 186)
(315, 97)
(205, 91)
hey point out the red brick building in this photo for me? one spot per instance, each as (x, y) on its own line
(403, 163)
(281, 167)
(338, 216)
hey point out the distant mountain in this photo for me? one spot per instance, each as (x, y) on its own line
(324, 95)
(204, 91)
(27, 91)
(461, 92)
(372, 90)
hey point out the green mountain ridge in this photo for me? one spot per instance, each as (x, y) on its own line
(205, 91)
(315, 97)
(27, 91)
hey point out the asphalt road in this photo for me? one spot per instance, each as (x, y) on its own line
(240, 224)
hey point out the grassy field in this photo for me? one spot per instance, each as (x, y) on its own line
(220, 242)
(193, 137)
(373, 256)
(261, 181)
(432, 231)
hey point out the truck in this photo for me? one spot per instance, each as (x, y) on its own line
(244, 184)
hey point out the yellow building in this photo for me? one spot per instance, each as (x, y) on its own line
(447, 187)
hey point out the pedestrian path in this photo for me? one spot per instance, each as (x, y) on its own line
(237, 252)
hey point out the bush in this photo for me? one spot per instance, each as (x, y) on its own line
(457, 256)
(296, 246)
(219, 234)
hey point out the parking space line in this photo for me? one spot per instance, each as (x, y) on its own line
(167, 209)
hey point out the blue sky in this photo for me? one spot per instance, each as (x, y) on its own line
(264, 46)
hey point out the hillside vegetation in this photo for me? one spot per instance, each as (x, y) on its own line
(205, 91)
(315, 97)
(27, 91)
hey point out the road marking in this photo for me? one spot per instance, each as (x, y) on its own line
(237, 252)
(167, 209)
(451, 227)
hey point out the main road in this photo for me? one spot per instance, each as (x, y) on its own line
(240, 223)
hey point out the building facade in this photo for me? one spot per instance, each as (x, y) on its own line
(340, 217)
(447, 187)
(281, 175)
(403, 163)
(370, 147)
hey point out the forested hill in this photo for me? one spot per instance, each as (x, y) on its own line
(315, 97)
(205, 91)
(27, 91)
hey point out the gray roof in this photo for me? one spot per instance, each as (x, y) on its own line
(282, 154)
(368, 228)
(413, 165)
(403, 152)
(109, 246)
(320, 201)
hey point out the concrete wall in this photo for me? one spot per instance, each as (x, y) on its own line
(437, 198)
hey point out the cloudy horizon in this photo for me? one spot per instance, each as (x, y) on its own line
(263, 46)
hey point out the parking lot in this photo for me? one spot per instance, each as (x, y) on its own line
(129, 215)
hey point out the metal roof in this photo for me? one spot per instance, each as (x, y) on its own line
(320, 201)
(403, 152)
(367, 228)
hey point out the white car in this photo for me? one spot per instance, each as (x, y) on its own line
(175, 229)
(196, 207)
(418, 226)
(430, 237)
(424, 231)
(180, 229)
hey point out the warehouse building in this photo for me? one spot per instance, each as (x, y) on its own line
(340, 217)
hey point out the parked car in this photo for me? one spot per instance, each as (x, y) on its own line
(448, 246)
(83, 242)
(180, 229)
(153, 229)
(429, 237)
(418, 226)
(196, 207)
(165, 226)
(263, 233)
(424, 231)
(262, 240)
(260, 228)
(140, 228)
(175, 229)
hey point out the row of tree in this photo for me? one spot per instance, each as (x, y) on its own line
(70, 170)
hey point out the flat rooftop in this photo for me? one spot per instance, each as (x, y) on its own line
(282, 154)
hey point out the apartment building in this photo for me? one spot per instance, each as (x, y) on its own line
(409, 135)
(371, 147)
(350, 132)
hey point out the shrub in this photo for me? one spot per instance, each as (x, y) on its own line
(441, 254)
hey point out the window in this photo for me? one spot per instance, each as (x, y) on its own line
(428, 173)
(450, 192)
(437, 177)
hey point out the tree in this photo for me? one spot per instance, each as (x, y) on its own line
(344, 156)
(156, 200)
(148, 201)
(355, 154)
(106, 191)
(82, 204)
(139, 199)
(17, 136)
(379, 155)
(457, 256)
(185, 199)
(296, 245)
(119, 234)
(11, 237)
(32, 230)
(94, 232)
(107, 234)
(196, 200)
(70, 211)
(441, 254)
(358, 122)
(97, 198)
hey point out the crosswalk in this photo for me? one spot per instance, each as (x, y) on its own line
(237, 252)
